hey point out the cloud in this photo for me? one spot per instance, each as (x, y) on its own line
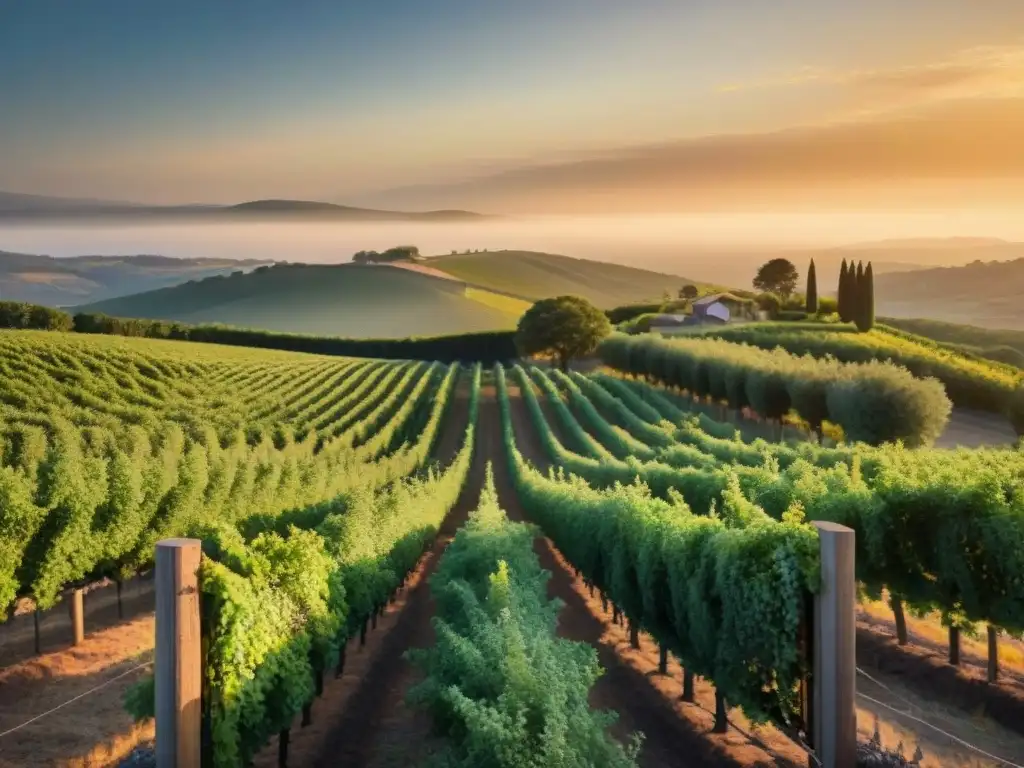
(978, 72)
(957, 144)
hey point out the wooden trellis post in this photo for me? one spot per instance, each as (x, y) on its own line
(178, 667)
(78, 615)
(833, 726)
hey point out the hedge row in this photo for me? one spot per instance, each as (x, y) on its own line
(970, 382)
(487, 347)
(19, 314)
(873, 402)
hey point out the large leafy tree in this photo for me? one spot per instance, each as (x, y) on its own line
(563, 327)
(688, 292)
(777, 276)
(812, 289)
(398, 253)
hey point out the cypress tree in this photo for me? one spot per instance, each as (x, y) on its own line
(866, 310)
(812, 290)
(843, 294)
(856, 290)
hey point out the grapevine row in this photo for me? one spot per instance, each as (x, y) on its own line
(72, 508)
(279, 608)
(491, 596)
(943, 530)
(724, 593)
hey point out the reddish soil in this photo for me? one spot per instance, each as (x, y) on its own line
(362, 718)
(17, 635)
(363, 709)
(92, 731)
(924, 668)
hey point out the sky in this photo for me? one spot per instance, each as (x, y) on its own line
(533, 106)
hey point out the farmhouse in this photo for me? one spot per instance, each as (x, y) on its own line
(719, 306)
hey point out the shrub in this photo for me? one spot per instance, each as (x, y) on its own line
(881, 403)
(827, 305)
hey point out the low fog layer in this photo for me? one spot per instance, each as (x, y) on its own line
(712, 247)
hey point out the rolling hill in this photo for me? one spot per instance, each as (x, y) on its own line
(539, 275)
(20, 207)
(986, 294)
(450, 294)
(737, 266)
(80, 279)
(339, 300)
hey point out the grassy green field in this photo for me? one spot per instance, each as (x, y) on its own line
(489, 291)
(539, 275)
(350, 300)
(1001, 345)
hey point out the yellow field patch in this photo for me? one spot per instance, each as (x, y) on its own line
(514, 308)
(48, 278)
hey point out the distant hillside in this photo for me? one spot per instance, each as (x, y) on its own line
(17, 202)
(58, 282)
(929, 243)
(539, 275)
(17, 207)
(738, 266)
(331, 211)
(986, 294)
(349, 300)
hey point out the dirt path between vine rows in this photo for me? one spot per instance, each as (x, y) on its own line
(676, 733)
(363, 718)
(362, 713)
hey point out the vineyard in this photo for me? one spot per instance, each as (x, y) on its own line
(939, 529)
(320, 486)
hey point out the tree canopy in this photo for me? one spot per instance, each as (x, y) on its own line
(688, 292)
(777, 276)
(398, 253)
(563, 327)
